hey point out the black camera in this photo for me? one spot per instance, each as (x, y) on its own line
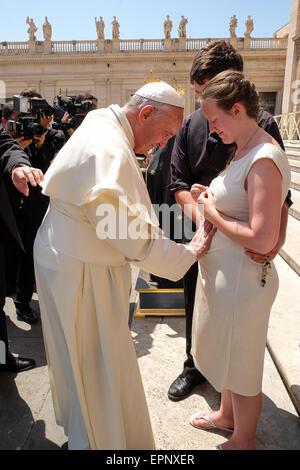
(76, 111)
(30, 111)
(26, 127)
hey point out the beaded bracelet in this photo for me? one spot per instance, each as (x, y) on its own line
(266, 267)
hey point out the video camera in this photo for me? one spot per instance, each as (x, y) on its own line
(76, 111)
(30, 111)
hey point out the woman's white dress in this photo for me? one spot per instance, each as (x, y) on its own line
(232, 309)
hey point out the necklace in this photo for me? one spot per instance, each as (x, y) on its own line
(234, 150)
(245, 145)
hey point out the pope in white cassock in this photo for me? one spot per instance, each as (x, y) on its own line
(84, 277)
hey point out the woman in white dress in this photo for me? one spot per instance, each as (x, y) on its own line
(234, 293)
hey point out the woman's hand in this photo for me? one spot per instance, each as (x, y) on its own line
(259, 258)
(196, 190)
(207, 199)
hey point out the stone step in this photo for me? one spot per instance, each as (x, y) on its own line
(292, 150)
(294, 165)
(295, 208)
(284, 330)
(295, 181)
(290, 251)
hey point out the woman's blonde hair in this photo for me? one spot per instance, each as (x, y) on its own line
(230, 87)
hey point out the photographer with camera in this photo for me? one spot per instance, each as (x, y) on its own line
(28, 123)
(70, 112)
(15, 167)
(50, 139)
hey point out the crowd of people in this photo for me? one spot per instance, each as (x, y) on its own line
(229, 158)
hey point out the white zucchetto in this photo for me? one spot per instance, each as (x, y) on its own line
(160, 92)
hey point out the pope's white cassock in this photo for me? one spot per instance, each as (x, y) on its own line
(84, 284)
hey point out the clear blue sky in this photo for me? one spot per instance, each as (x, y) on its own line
(74, 19)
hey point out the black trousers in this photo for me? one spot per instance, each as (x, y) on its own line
(29, 219)
(3, 325)
(189, 285)
(25, 275)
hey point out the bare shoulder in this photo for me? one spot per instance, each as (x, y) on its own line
(264, 137)
(265, 163)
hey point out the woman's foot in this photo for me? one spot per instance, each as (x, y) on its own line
(234, 444)
(213, 420)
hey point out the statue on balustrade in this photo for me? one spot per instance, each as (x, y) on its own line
(182, 27)
(100, 25)
(232, 26)
(47, 30)
(115, 29)
(249, 26)
(32, 29)
(168, 25)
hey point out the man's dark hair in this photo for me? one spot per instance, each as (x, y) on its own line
(30, 93)
(84, 97)
(8, 110)
(214, 58)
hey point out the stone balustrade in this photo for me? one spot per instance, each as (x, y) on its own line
(130, 45)
(196, 44)
(13, 48)
(268, 43)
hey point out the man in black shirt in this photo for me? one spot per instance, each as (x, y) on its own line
(30, 217)
(30, 211)
(198, 157)
(13, 164)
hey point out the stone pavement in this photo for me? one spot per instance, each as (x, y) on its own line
(26, 414)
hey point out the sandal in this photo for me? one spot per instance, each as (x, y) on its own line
(208, 420)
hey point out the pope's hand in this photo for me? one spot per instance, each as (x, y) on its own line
(201, 243)
(22, 175)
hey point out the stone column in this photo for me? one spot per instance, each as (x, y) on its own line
(108, 92)
(291, 61)
(100, 90)
(49, 91)
(115, 92)
(188, 106)
(278, 103)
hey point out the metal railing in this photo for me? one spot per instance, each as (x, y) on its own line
(289, 126)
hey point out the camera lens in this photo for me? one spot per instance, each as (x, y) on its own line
(37, 129)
